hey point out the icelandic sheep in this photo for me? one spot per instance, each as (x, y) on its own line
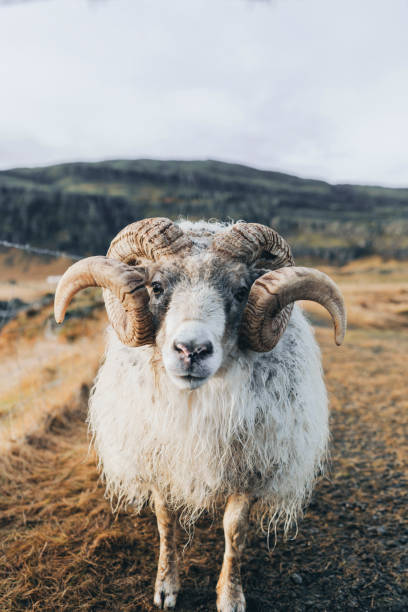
(212, 390)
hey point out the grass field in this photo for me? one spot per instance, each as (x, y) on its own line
(63, 549)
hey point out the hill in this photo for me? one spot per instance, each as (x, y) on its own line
(78, 207)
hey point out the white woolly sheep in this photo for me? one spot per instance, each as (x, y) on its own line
(211, 391)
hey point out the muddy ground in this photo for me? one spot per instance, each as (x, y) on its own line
(62, 549)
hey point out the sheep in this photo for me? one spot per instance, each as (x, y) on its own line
(211, 392)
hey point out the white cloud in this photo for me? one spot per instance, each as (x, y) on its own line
(316, 88)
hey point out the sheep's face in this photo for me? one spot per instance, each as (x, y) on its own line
(197, 304)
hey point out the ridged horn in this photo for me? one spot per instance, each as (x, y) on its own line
(262, 246)
(254, 243)
(153, 239)
(149, 239)
(125, 295)
(266, 313)
(133, 321)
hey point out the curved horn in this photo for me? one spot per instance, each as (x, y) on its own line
(271, 300)
(125, 295)
(132, 321)
(151, 239)
(254, 243)
(262, 246)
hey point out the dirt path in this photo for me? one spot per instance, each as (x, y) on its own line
(61, 548)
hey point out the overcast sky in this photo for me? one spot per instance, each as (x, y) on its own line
(317, 88)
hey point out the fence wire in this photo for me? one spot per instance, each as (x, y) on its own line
(37, 250)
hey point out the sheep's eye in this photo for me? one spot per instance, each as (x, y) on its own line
(157, 288)
(241, 294)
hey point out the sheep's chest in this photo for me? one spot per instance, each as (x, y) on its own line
(261, 426)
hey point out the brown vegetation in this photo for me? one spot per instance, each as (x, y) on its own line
(42, 366)
(24, 275)
(63, 549)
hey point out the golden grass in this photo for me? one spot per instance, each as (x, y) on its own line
(375, 293)
(42, 366)
(24, 275)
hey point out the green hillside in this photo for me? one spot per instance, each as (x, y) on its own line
(78, 207)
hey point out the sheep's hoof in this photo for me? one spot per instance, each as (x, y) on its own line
(165, 594)
(231, 599)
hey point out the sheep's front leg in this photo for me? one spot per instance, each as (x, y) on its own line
(167, 580)
(230, 596)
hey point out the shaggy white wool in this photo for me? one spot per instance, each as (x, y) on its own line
(259, 425)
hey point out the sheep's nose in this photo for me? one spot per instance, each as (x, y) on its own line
(191, 351)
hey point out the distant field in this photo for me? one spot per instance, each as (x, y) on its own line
(62, 549)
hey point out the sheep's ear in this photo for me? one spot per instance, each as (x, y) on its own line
(132, 260)
(259, 270)
(147, 270)
(140, 268)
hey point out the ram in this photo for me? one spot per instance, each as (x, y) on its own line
(211, 393)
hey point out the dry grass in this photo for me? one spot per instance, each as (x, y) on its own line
(375, 292)
(62, 549)
(42, 366)
(24, 275)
